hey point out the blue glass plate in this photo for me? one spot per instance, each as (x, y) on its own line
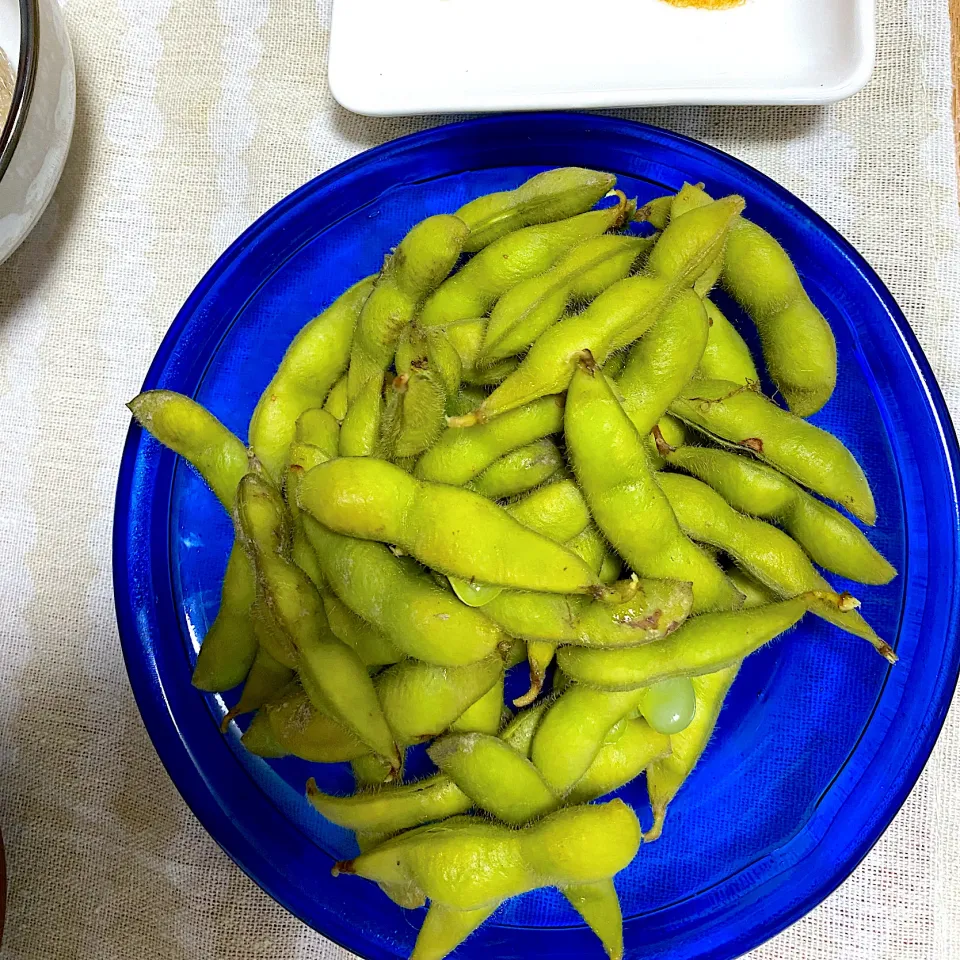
(821, 741)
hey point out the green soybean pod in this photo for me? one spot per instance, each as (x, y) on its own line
(599, 905)
(617, 480)
(572, 732)
(666, 775)
(466, 337)
(621, 314)
(306, 732)
(798, 345)
(337, 399)
(197, 435)
(833, 541)
(484, 715)
(726, 355)
(319, 428)
(421, 261)
(662, 362)
(768, 554)
(704, 644)
(556, 510)
(657, 211)
(689, 198)
(453, 531)
(265, 680)
(465, 399)
(520, 730)
(228, 650)
(527, 309)
(460, 455)
(621, 761)
(755, 594)
(373, 647)
(549, 196)
(655, 609)
(331, 672)
(421, 700)
(312, 364)
(396, 597)
(419, 419)
(741, 417)
(360, 429)
(519, 471)
(393, 808)
(494, 776)
(229, 647)
(429, 348)
(473, 289)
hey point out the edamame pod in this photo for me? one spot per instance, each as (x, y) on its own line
(494, 776)
(599, 906)
(755, 594)
(430, 348)
(410, 274)
(444, 929)
(476, 286)
(466, 336)
(314, 361)
(319, 428)
(421, 700)
(360, 430)
(394, 808)
(689, 198)
(460, 455)
(519, 471)
(726, 355)
(266, 679)
(372, 646)
(656, 609)
(466, 862)
(573, 730)
(666, 775)
(197, 435)
(527, 309)
(484, 715)
(259, 740)
(832, 540)
(620, 315)
(662, 362)
(742, 417)
(798, 344)
(404, 604)
(332, 674)
(228, 650)
(304, 731)
(453, 531)
(419, 417)
(704, 644)
(557, 511)
(767, 553)
(621, 761)
(337, 399)
(549, 196)
(616, 478)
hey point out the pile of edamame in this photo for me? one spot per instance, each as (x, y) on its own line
(531, 436)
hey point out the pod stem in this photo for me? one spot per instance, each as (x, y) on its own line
(471, 419)
(663, 448)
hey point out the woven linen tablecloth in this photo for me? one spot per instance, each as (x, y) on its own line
(194, 116)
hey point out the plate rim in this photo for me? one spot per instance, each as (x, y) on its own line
(344, 90)
(163, 727)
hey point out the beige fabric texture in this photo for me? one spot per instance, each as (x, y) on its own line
(193, 118)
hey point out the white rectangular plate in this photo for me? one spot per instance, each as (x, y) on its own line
(390, 57)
